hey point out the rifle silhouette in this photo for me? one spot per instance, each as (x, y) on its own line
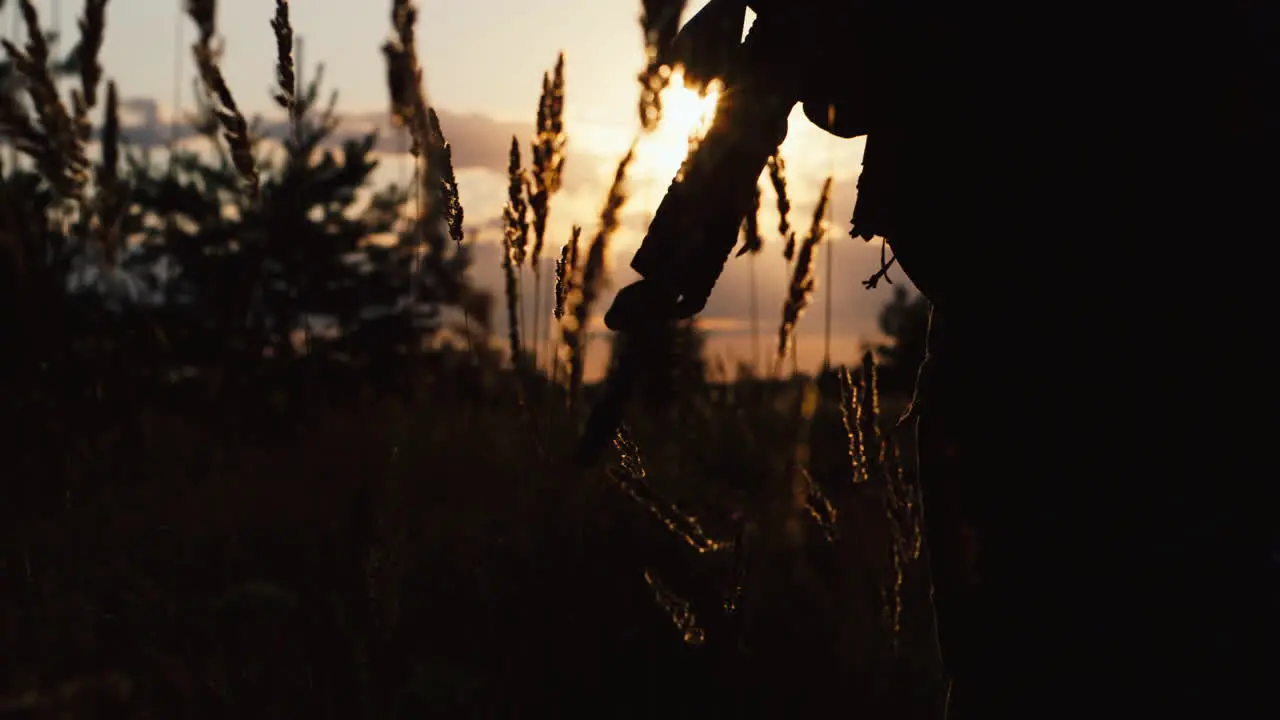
(795, 52)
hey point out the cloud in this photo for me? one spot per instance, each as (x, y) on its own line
(478, 141)
(723, 325)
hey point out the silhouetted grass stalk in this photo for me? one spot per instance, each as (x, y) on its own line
(515, 237)
(92, 30)
(802, 281)
(548, 168)
(56, 144)
(286, 95)
(777, 169)
(112, 198)
(405, 78)
(806, 494)
(110, 201)
(409, 107)
(235, 130)
(632, 478)
(435, 186)
(877, 462)
(566, 274)
(752, 245)
(660, 23)
(590, 281)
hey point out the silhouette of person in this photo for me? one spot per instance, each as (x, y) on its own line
(1047, 169)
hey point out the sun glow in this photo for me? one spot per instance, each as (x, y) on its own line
(685, 114)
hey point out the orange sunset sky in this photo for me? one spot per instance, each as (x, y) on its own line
(484, 61)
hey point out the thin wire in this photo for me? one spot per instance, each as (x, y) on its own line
(420, 226)
(13, 36)
(826, 339)
(176, 106)
(754, 311)
(830, 241)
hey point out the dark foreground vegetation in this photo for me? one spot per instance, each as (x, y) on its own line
(214, 558)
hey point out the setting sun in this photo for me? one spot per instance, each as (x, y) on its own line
(684, 113)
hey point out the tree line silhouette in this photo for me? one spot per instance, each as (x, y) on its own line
(188, 276)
